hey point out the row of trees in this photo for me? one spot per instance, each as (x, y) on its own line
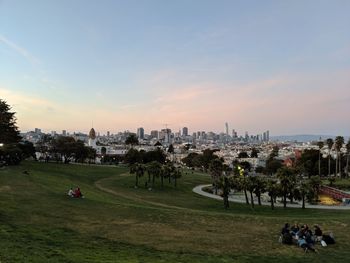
(287, 184)
(65, 149)
(156, 170)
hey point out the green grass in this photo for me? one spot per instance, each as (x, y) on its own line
(118, 223)
(343, 183)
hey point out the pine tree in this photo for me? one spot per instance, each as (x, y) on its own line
(8, 130)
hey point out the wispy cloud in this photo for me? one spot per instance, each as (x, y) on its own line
(19, 50)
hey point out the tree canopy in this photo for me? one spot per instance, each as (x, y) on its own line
(8, 130)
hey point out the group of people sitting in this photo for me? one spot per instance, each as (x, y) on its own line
(76, 193)
(304, 237)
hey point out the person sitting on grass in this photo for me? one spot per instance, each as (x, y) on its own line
(318, 233)
(287, 237)
(71, 192)
(295, 229)
(77, 193)
(285, 229)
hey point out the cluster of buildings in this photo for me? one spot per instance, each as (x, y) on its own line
(228, 146)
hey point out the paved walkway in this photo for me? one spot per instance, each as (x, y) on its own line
(241, 199)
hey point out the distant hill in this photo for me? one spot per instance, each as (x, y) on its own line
(303, 138)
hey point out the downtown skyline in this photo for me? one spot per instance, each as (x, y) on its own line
(258, 65)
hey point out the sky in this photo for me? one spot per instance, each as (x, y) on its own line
(282, 66)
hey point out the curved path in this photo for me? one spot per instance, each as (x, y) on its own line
(237, 199)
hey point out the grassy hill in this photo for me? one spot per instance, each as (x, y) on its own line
(117, 223)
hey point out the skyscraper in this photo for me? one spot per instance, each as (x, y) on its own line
(184, 131)
(141, 133)
(154, 134)
(226, 125)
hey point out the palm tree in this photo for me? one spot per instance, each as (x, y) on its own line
(315, 183)
(251, 186)
(176, 173)
(320, 145)
(285, 175)
(272, 189)
(339, 141)
(347, 159)
(166, 171)
(225, 184)
(241, 181)
(260, 187)
(139, 170)
(329, 143)
(301, 191)
(154, 169)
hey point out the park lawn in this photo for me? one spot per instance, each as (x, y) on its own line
(340, 183)
(116, 222)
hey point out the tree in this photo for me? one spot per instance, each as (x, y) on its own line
(176, 174)
(43, 146)
(339, 141)
(28, 149)
(254, 153)
(240, 181)
(259, 169)
(171, 151)
(189, 159)
(132, 140)
(225, 186)
(103, 150)
(272, 166)
(64, 146)
(157, 155)
(307, 163)
(274, 152)
(167, 171)
(302, 191)
(10, 152)
(67, 148)
(329, 143)
(8, 130)
(315, 183)
(347, 158)
(215, 170)
(139, 170)
(251, 186)
(133, 156)
(320, 145)
(272, 189)
(260, 187)
(243, 155)
(285, 175)
(154, 169)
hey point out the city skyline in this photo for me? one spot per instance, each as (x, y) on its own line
(278, 66)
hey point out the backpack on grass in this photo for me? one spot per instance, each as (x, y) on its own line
(328, 239)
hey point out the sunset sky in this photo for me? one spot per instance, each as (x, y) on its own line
(258, 65)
